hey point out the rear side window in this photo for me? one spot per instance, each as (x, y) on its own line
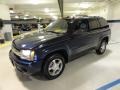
(103, 22)
(93, 24)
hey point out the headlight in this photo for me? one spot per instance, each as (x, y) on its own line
(27, 54)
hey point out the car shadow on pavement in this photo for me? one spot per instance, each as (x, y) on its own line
(76, 73)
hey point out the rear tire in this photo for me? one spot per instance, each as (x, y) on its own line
(102, 47)
(54, 66)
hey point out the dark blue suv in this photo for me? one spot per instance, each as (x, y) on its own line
(61, 41)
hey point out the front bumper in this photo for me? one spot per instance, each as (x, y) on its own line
(24, 65)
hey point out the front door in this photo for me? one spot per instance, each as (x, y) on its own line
(80, 38)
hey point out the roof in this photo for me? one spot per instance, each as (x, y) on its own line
(82, 17)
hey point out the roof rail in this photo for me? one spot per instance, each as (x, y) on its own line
(81, 16)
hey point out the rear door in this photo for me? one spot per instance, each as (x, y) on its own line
(93, 32)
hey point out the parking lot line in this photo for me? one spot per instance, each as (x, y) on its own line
(5, 44)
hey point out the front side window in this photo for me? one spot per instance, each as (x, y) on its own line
(78, 25)
(58, 26)
(81, 26)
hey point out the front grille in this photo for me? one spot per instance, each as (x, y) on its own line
(14, 46)
(15, 50)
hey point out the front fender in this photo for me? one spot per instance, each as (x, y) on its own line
(43, 52)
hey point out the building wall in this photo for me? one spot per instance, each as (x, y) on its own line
(111, 12)
(5, 15)
(115, 27)
(100, 12)
(116, 12)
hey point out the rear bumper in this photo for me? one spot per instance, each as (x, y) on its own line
(24, 66)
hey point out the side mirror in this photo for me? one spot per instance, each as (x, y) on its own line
(1, 24)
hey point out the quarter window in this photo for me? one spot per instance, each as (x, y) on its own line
(93, 24)
(103, 22)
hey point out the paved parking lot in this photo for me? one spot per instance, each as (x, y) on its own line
(89, 72)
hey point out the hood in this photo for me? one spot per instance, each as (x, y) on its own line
(31, 40)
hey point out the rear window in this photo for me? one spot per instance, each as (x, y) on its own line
(103, 22)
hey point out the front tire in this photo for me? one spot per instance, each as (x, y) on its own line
(102, 48)
(54, 66)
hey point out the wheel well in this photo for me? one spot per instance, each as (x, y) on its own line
(106, 39)
(61, 52)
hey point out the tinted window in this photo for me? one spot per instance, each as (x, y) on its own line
(103, 22)
(81, 25)
(58, 26)
(93, 24)
(78, 26)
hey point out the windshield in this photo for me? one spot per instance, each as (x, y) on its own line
(58, 26)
